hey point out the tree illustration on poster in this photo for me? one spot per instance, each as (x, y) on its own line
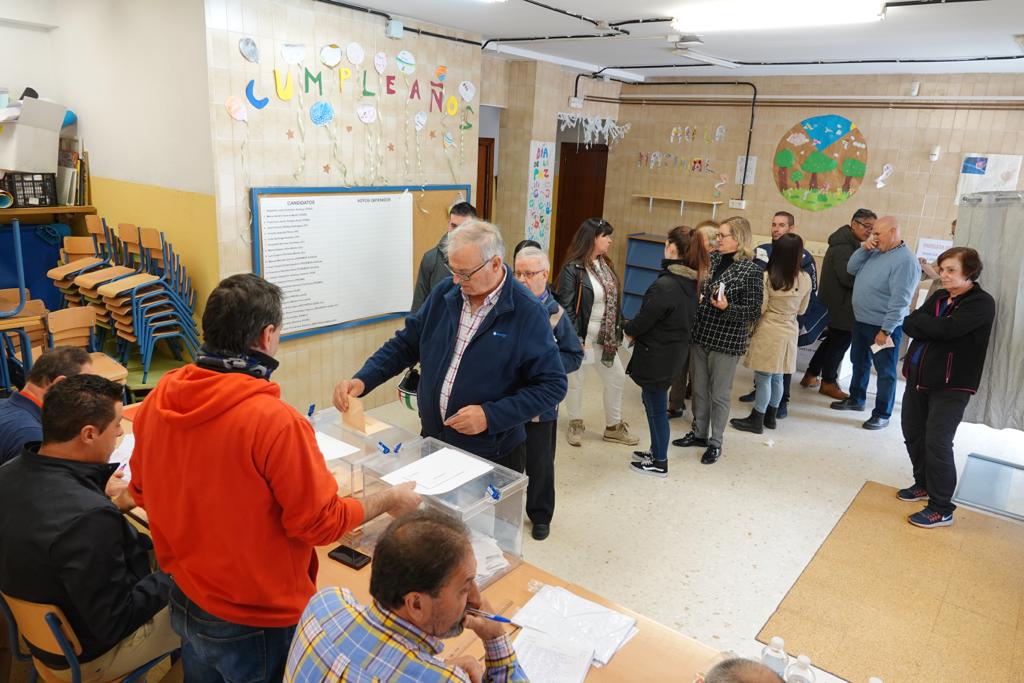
(828, 152)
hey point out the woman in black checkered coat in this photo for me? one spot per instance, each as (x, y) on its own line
(728, 304)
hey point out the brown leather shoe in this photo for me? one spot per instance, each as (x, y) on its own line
(809, 381)
(832, 389)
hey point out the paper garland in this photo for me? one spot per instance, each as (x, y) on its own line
(596, 130)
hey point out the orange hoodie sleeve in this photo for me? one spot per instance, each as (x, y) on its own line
(307, 492)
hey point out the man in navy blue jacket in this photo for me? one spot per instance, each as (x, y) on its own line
(488, 360)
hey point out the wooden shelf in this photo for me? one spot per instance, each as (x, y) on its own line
(651, 198)
(7, 214)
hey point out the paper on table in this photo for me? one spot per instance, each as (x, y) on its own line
(123, 453)
(439, 472)
(875, 348)
(566, 616)
(332, 448)
(547, 660)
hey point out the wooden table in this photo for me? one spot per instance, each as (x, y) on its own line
(656, 653)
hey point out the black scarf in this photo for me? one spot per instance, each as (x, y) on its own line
(254, 363)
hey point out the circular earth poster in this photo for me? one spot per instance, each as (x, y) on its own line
(820, 162)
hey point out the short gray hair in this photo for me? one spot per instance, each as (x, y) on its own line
(484, 235)
(534, 252)
(738, 670)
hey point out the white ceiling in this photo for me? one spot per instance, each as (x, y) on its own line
(959, 29)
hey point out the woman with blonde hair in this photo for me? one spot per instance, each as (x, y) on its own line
(729, 303)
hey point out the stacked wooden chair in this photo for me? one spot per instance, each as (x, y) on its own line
(22, 335)
(76, 327)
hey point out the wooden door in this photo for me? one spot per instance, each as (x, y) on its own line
(484, 178)
(581, 176)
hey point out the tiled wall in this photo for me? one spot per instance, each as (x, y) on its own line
(494, 80)
(537, 93)
(261, 153)
(919, 193)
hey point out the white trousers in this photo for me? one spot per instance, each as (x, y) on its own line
(611, 377)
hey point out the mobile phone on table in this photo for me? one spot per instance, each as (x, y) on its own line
(350, 557)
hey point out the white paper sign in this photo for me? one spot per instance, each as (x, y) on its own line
(751, 163)
(929, 249)
(440, 472)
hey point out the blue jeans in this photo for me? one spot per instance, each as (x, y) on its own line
(656, 406)
(885, 362)
(217, 651)
(767, 390)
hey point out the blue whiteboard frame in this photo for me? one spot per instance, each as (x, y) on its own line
(257, 266)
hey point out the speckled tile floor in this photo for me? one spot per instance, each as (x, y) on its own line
(712, 550)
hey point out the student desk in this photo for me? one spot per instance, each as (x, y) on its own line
(656, 653)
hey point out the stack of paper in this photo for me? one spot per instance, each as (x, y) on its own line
(548, 660)
(123, 453)
(565, 616)
(489, 558)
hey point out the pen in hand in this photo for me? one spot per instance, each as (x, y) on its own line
(492, 617)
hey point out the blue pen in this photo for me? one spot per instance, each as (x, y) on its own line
(485, 615)
(312, 409)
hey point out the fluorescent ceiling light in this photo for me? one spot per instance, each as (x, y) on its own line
(564, 61)
(707, 59)
(746, 15)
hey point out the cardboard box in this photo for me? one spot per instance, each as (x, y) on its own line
(30, 144)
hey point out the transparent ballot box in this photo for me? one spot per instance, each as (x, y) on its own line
(345, 449)
(488, 498)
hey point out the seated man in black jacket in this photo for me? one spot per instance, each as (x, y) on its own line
(64, 542)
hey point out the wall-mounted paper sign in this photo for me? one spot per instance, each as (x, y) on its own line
(929, 249)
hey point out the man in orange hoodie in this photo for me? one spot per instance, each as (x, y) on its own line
(238, 494)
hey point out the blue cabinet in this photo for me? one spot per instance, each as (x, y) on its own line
(644, 253)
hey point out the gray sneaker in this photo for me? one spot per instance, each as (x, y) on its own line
(575, 434)
(620, 434)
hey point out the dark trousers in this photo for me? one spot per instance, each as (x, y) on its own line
(218, 651)
(930, 419)
(829, 355)
(656, 406)
(677, 395)
(541, 438)
(515, 459)
(885, 367)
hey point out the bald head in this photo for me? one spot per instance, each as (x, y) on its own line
(886, 233)
(739, 670)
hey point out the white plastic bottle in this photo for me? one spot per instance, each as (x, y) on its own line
(800, 671)
(774, 656)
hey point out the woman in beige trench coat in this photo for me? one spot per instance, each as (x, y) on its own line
(772, 352)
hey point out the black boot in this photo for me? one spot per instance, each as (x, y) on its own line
(783, 410)
(754, 423)
(769, 417)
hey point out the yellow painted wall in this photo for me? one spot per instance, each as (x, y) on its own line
(188, 219)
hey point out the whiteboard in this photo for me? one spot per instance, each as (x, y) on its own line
(338, 257)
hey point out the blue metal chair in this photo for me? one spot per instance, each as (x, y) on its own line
(46, 627)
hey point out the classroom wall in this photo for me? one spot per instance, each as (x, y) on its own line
(538, 91)
(27, 53)
(261, 153)
(920, 193)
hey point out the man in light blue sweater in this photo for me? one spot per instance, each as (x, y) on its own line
(887, 273)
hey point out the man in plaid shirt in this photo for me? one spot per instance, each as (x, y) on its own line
(422, 583)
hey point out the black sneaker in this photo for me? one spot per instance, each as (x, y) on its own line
(641, 455)
(748, 398)
(655, 468)
(928, 518)
(673, 413)
(912, 493)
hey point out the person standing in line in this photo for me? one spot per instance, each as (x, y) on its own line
(659, 334)
(773, 346)
(591, 294)
(887, 273)
(729, 303)
(835, 290)
(707, 231)
(943, 367)
(784, 223)
(433, 268)
(532, 268)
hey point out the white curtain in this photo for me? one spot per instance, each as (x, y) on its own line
(993, 223)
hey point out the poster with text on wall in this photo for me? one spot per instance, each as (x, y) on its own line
(539, 191)
(988, 173)
(820, 162)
